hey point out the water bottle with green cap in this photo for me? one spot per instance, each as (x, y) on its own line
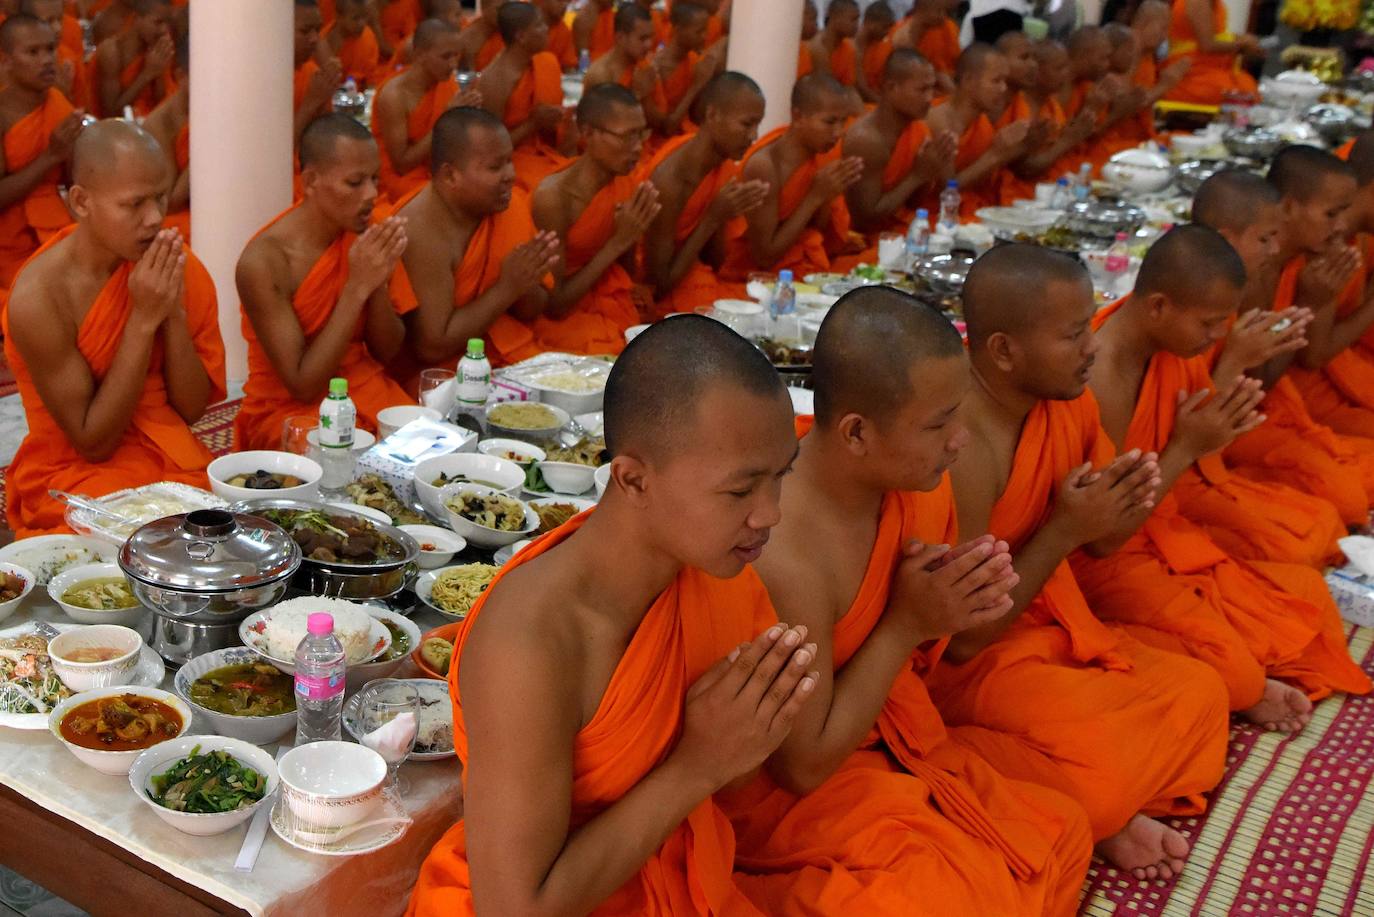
(338, 419)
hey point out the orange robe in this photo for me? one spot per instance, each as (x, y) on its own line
(267, 403)
(1248, 519)
(399, 19)
(146, 101)
(27, 223)
(940, 46)
(811, 252)
(181, 155)
(72, 41)
(1097, 149)
(1212, 75)
(493, 46)
(973, 143)
(634, 728)
(899, 165)
(561, 45)
(1013, 187)
(1067, 701)
(603, 33)
(843, 62)
(1341, 393)
(541, 84)
(360, 56)
(158, 445)
(80, 95)
(419, 122)
(676, 84)
(301, 82)
(874, 60)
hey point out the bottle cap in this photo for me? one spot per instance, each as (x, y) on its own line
(338, 387)
(784, 276)
(952, 183)
(1121, 237)
(320, 623)
(923, 214)
(1063, 180)
(476, 347)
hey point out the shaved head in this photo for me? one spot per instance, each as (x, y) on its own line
(1297, 170)
(1184, 254)
(1231, 200)
(684, 13)
(1118, 34)
(1001, 291)
(725, 88)
(514, 18)
(103, 148)
(866, 349)
(903, 62)
(452, 140)
(1084, 38)
(1362, 158)
(601, 102)
(14, 26)
(429, 32)
(975, 57)
(321, 137)
(144, 7)
(816, 90)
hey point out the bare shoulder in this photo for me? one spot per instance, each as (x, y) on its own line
(760, 166)
(37, 291)
(863, 139)
(265, 259)
(549, 203)
(526, 618)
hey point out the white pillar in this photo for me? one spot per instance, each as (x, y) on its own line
(1238, 16)
(765, 37)
(241, 76)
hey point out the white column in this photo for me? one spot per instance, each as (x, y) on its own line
(1238, 16)
(765, 36)
(241, 77)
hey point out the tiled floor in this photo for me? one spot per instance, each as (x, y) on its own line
(20, 896)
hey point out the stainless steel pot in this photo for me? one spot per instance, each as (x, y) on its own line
(1260, 143)
(1103, 219)
(944, 274)
(1335, 123)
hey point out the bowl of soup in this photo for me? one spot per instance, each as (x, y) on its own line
(264, 473)
(433, 475)
(98, 656)
(97, 594)
(239, 694)
(110, 727)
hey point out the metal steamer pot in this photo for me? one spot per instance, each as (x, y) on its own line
(1103, 218)
(204, 572)
(344, 579)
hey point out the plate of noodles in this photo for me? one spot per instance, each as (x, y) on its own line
(452, 591)
(554, 511)
(526, 420)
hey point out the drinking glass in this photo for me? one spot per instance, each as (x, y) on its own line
(295, 433)
(389, 721)
(431, 383)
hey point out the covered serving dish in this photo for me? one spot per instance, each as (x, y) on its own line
(1139, 171)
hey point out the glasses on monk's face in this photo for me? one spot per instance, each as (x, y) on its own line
(633, 135)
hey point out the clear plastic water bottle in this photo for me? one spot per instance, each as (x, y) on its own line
(1118, 263)
(349, 101)
(1084, 186)
(474, 380)
(949, 207)
(918, 238)
(783, 308)
(584, 61)
(338, 419)
(320, 670)
(1062, 197)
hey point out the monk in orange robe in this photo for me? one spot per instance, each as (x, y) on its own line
(588, 776)
(134, 67)
(314, 290)
(683, 70)
(523, 87)
(593, 28)
(930, 31)
(112, 332)
(170, 124)
(1053, 141)
(39, 128)
(408, 105)
(475, 265)
(1056, 695)
(1111, 97)
(1198, 34)
(351, 39)
(73, 77)
(560, 35)
(870, 806)
(315, 80)
(482, 39)
(1180, 321)
(803, 222)
(628, 64)
(399, 19)
(984, 149)
(111, 19)
(600, 210)
(700, 192)
(871, 48)
(831, 51)
(901, 159)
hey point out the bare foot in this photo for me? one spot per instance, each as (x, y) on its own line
(1283, 708)
(1150, 849)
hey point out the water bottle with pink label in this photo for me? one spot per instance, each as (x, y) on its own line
(320, 671)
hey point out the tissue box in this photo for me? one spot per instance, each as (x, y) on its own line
(395, 457)
(1354, 595)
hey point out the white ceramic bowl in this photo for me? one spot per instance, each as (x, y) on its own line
(602, 479)
(360, 674)
(1190, 145)
(1139, 171)
(128, 617)
(424, 587)
(445, 543)
(633, 332)
(502, 448)
(480, 535)
(1013, 220)
(502, 474)
(42, 553)
(256, 730)
(391, 419)
(114, 763)
(370, 512)
(237, 463)
(158, 759)
(331, 784)
(542, 434)
(568, 477)
(87, 676)
(7, 608)
(252, 631)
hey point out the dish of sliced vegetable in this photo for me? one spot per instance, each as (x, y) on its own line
(204, 784)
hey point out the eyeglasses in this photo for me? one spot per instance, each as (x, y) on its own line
(635, 133)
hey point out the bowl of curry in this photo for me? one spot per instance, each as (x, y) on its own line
(109, 727)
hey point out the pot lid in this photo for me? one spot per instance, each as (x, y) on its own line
(209, 550)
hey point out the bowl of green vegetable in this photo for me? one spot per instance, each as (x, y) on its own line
(239, 694)
(204, 785)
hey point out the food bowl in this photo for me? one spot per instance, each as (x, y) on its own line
(568, 477)
(7, 607)
(542, 432)
(1139, 171)
(1294, 87)
(1259, 143)
(391, 419)
(255, 632)
(114, 763)
(369, 512)
(486, 470)
(481, 535)
(437, 545)
(1010, 221)
(117, 670)
(58, 586)
(602, 479)
(256, 730)
(331, 784)
(447, 632)
(577, 388)
(1192, 146)
(404, 637)
(506, 448)
(424, 590)
(48, 555)
(161, 757)
(222, 469)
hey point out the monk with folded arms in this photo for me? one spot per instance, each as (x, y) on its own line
(134, 67)
(628, 64)
(474, 265)
(804, 220)
(523, 86)
(314, 288)
(39, 128)
(113, 335)
(870, 806)
(315, 81)
(901, 159)
(1060, 698)
(588, 769)
(600, 212)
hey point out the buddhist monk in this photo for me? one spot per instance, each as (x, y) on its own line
(314, 82)
(560, 35)
(170, 124)
(314, 289)
(811, 21)
(1036, 74)
(1198, 34)
(870, 806)
(627, 64)
(902, 161)
(1059, 697)
(930, 31)
(112, 332)
(804, 220)
(523, 87)
(1150, 23)
(134, 67)
(662, 28)
(112, 20)
(600, 212)
(351, 39)
(700, 192)
(475, 264)
(39, 128)
(482, 39)
(73, 78)
(409, 103)
(588, 769)
(871, 47)
(1095, 88)
(984, 149)
(398, 20)
(593, 28)
(683, 70)
(831, 51)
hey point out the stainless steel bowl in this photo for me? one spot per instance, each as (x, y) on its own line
(1103, 218)
(945, 274)
(1259, 143)
(1335, 123)
(1190, 175)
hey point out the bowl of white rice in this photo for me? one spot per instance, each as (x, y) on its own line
(274, 633)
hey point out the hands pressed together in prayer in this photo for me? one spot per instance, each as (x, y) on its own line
(946, 590)
(1096, 504)
(157, 282)
(1208, 422)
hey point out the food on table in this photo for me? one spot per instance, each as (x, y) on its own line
(24, 663)
(869, 272)
(568, 380)
(373, 491)
(457, 588)
(249, 689)
(400, 642)
(208, 783)
(47, 561)
(437, 654)
(586, 451)
(264, 480)
(102, 593)
(552, 515)
(785, 352)
(89, 654)
(335, 538)
(11, 586)
(510, 455)
(140, 508)
(523, 415)
(283, 627)
(435, 733)
(534, 479)
(445, 478)
(492, 511)
(126, 722)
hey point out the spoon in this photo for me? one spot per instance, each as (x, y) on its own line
(332, 836)
(80, 502)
